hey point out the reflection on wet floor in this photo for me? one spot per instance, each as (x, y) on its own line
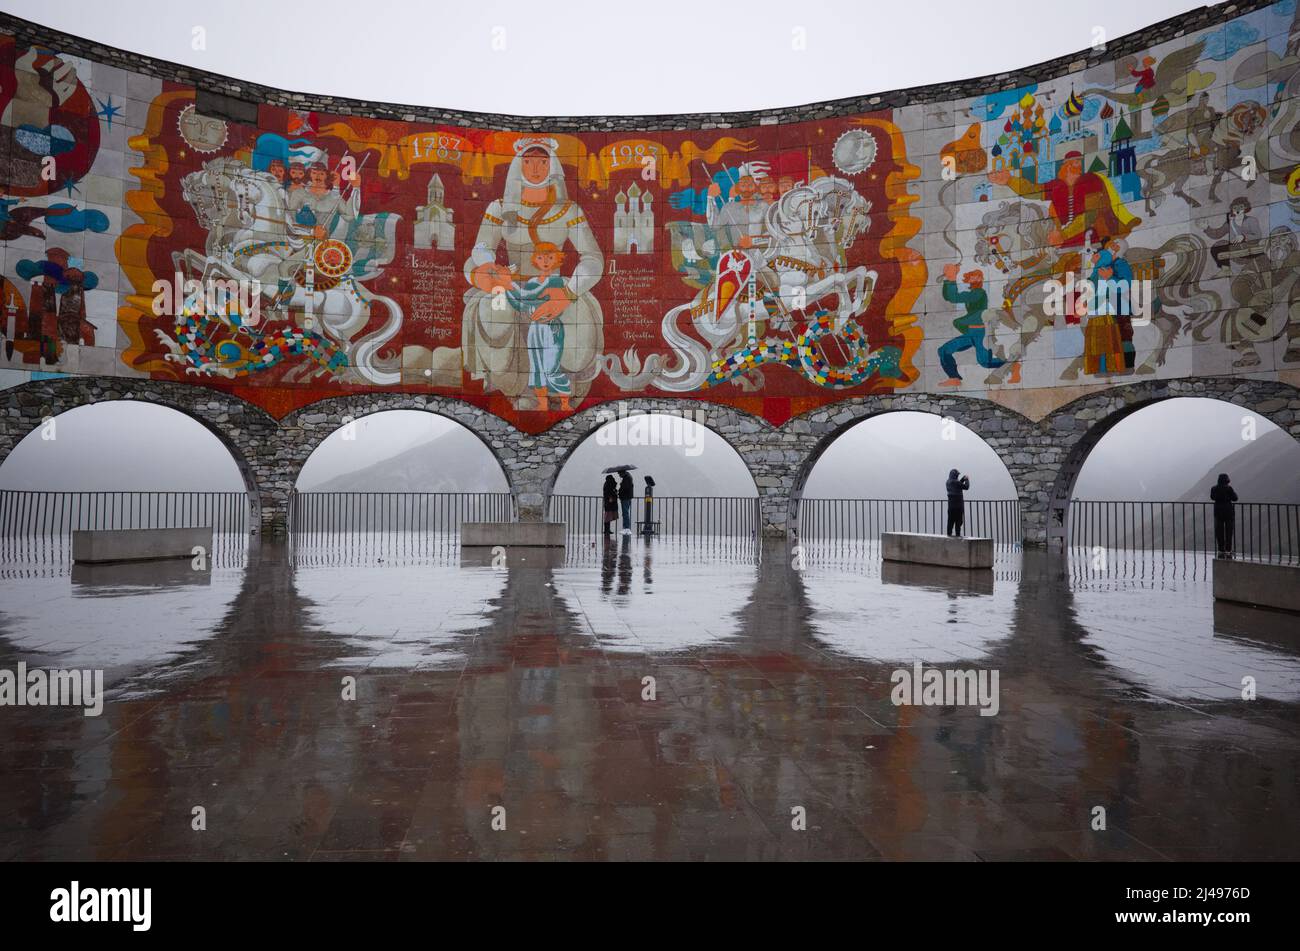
(675, 698)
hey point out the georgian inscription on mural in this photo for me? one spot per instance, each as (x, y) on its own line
(632, 291)
(434, 296)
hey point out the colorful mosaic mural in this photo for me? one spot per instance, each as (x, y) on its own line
(960, 246)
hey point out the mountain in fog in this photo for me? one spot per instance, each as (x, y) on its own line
(1172, 450)
(716, 471)
(1265, 470)
(452, 461)
(1171, 467)
(457, 461)
(905, 456)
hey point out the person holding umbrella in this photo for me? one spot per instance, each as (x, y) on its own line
(610, 504)
(626, 491)
(626, 488)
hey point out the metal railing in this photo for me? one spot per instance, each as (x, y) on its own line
(395, 512)
(670, 515)
(36, 527)
(867, 519)
(1260, 529)
(34, 514)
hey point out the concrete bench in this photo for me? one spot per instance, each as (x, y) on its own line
(513, 557)
(512, 534)
(937, 550)
(1265, 584)
(964, 581)
(138, 544)
(172, 573)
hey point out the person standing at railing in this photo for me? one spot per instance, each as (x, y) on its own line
(648, 527)
(1225, 515)
(957, 484)
(610, 504)
(626, 489)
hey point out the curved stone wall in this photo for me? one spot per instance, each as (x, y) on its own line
(920, 242)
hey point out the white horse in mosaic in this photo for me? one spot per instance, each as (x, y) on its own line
(810, 230)
(812, 227)
(251, 237)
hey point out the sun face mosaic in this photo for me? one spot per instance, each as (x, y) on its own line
(961, 245)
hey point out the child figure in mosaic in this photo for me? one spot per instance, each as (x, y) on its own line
(545, 334)
(1103, 340)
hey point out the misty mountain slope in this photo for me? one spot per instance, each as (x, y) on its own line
(1176, 467)
(1266, 470)
(1171, 450)
(903, 456)
(457, 461)
(716, 471)
(453, 461)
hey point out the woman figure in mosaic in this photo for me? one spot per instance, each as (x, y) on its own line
(534, 210)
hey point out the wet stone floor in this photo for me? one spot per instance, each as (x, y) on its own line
(672, 699)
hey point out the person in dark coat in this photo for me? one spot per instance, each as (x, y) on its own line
(1225, 514)
(956, 485)
(647, 527)
(609, 510)
(626, 488)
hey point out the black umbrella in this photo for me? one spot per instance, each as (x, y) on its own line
(618, 469)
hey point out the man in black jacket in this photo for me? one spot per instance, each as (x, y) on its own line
(956, 485)
(625, 490)
(1225, 515)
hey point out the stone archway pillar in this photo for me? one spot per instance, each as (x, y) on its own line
(1032, 457)
(532, 464)
(275, 479)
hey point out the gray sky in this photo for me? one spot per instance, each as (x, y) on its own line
(119, 446)
(595, 57)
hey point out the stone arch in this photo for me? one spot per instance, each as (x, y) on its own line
(303, 430)
(752, 437)
(1079, 426)
(244, 429)
(1011, 435)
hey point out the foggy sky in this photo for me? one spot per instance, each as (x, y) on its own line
(589, 57)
